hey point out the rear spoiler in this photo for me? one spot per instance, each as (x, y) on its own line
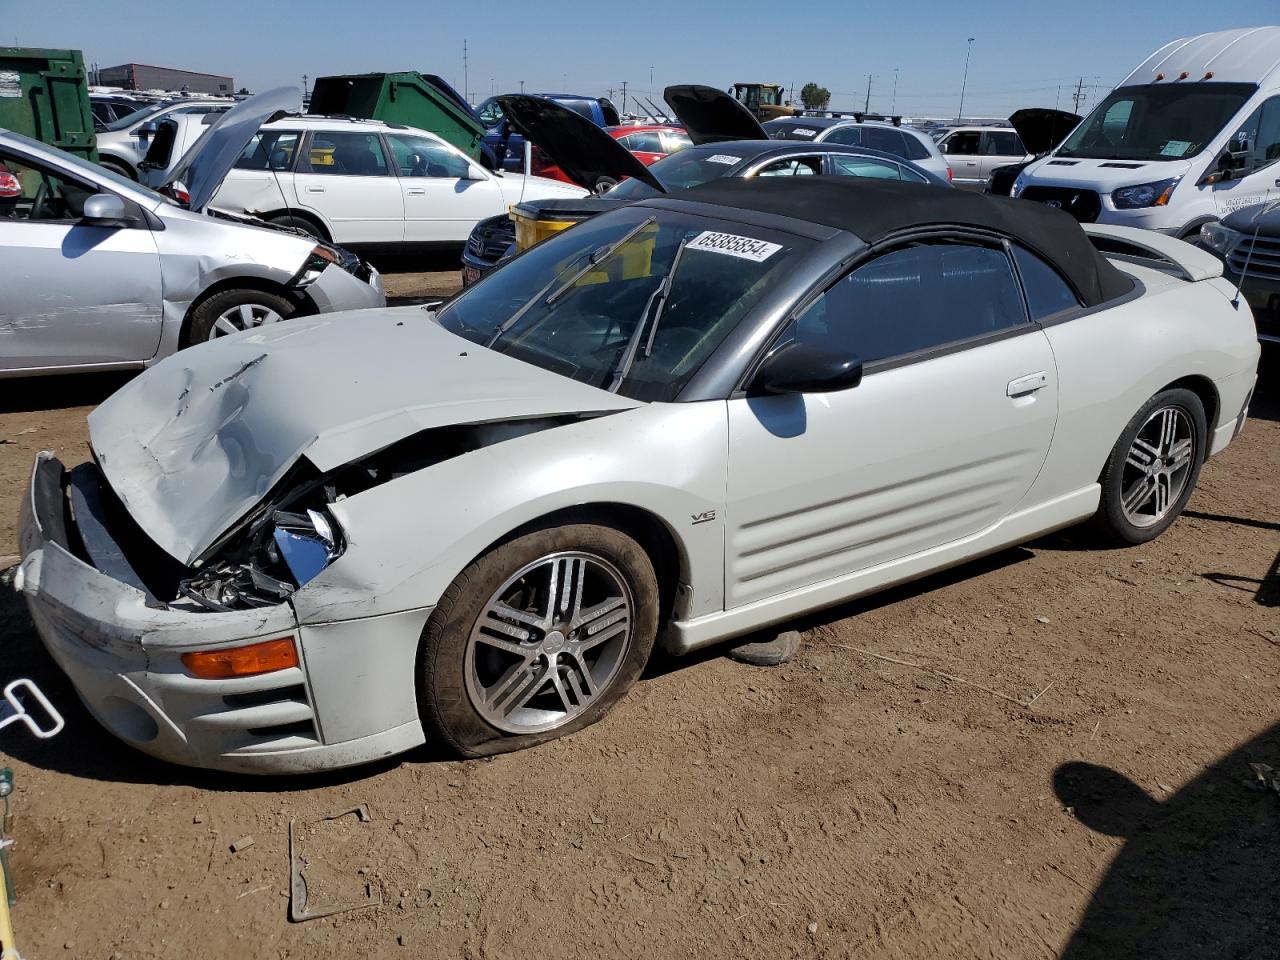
(1143, 246)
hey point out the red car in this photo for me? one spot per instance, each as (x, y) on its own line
(648, 142)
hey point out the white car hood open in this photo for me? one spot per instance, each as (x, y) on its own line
(193, 444)
(1100, 175)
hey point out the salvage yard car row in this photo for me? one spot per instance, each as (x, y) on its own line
(751, 380)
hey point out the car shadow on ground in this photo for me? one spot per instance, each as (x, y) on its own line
(1198, 876)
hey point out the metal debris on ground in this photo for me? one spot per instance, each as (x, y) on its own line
(302, 895)
(1266, 776)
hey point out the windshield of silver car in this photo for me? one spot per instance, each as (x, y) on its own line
(1156, 121)
(632, 301)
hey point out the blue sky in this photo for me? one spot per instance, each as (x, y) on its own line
(1024, 54)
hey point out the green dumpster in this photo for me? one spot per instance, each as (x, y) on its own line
(44, 95)
(406, 98)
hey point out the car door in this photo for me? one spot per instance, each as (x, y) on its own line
(1261, 133)
(999, 148)
(942, 439)
(346, 178)
(74, 294)
(441, 202)
(261, 180)
(962, 148)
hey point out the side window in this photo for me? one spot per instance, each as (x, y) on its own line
(420, 157)
(1002, 143)
(273, 150)
(1266, 141)
(884, 138)
(30, 192)
(916, 149)
(345, 154)
(864, 167)
(675, 142)
(1047, 293)
(645, 141)
(848, 135)
(792, 167)
(914, 298)
(490, 113)
(963, 143)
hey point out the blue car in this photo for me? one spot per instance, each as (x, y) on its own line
(508, 146)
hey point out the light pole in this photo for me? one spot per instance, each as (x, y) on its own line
(651, 81)
(894, 109)
(522, 86)
(967, 50)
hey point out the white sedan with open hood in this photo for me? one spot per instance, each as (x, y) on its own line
(685, 419)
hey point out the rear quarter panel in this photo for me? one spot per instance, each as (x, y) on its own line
(1111, 361)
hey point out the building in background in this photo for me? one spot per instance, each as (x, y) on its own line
(142, 76)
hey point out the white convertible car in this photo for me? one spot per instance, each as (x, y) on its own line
(327, 541)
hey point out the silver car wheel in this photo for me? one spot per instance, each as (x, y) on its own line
(1157, 466)
(549, 642)
(246, 316)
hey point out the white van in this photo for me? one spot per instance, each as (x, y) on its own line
(1191, 135)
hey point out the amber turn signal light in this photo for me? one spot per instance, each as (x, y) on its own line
(248, 661)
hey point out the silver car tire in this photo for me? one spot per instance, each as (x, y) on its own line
(1153, 468)
(233, 311)
(537, 639)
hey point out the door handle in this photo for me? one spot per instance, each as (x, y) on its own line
(314, 189)
(417, 191)
(1028, 384)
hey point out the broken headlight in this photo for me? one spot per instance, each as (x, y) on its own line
(287, 552)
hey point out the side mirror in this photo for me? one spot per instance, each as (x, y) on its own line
(474, 174)
(105, 210)
(147, 130)
(804, 368)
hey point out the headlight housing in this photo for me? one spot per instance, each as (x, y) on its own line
(1155, 194)
(1218, 238)
(1018, 184)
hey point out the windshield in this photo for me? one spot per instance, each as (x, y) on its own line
(604, 278)
(131, 118)
(682, 170)
(1156, 121)
(72, 162)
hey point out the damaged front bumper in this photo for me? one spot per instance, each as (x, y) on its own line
(122, 650)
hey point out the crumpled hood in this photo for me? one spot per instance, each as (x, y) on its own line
(193, 444)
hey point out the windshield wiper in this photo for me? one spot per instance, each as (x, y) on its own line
(597, 257)
(657, 302)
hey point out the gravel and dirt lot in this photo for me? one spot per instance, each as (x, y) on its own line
(1045, 753)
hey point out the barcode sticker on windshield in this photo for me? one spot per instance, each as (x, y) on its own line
(722, 158)
(803, 132)
(748, 248)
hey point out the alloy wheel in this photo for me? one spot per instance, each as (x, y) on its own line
(549, 642)
(246, 316)
(1157, 466)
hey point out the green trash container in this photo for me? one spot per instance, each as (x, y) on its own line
(406, 98)
(44, 94)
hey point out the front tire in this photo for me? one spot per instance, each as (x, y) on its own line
(300, 223)
(232, 311)
(536, 639)
(115, 166)
(1153, 468)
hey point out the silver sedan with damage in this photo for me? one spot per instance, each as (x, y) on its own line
(101, 273)
(678, 422)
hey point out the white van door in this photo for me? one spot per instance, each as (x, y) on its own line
(1262, 177)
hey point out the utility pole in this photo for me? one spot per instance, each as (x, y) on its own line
(651, 81)
(965, 82)
(894, 109)
(466, 86)
(1057, 97)
(866, 105)
(1079, 95)
(493, 87)
(624, 97)
(306, 97)
(522, 86)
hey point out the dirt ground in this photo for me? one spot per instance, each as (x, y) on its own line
(1042, 754)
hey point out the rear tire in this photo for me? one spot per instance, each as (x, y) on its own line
(232, 311)
(116, 167)
(503, 665)
(299, 223)
(1152, 469)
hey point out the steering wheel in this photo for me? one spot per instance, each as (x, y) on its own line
(39, 202)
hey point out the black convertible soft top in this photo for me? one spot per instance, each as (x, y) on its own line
(875, 210)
